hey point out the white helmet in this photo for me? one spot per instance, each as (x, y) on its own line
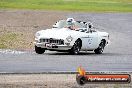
(70, 21)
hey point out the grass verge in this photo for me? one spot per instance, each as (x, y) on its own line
(70, 5)
(8, 40)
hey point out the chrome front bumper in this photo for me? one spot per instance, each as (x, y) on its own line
(53, 46)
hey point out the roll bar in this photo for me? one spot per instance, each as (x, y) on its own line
(89, 26)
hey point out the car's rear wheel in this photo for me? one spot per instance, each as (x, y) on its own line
(76, 48)
(39, 50)
(100, 49)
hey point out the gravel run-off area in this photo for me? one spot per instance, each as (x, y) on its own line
(17, 28)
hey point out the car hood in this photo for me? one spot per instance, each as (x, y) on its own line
(58, 33)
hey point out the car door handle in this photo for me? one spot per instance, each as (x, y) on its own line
(89, 36)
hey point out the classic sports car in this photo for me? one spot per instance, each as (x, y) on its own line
(72, 36)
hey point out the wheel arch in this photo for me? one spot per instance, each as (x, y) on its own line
(103, 40)
(80, 42)
(75, 49)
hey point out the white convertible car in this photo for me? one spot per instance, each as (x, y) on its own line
(81, 37)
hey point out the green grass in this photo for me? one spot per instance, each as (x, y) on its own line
(7, 40)
(70, 5)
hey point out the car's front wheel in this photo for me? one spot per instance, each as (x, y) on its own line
(100, 49)
(39, 50)
(76, 48)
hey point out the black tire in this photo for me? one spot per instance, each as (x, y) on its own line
(76, 48)
(100, 49)
(39, 50)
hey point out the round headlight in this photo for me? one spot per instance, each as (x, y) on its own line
(69, 38)
(37, 34)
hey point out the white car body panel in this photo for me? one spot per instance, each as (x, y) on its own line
(90, 40)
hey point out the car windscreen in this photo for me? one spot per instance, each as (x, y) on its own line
(62, 23)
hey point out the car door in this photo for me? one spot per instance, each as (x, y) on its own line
(89, 41)
(92, 41)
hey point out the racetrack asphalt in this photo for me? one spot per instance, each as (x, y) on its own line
(117, 55)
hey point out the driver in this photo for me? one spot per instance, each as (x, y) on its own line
(70, 23)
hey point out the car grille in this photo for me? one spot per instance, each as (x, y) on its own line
(51, 40)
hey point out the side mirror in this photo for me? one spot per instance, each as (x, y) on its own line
(54, 26)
